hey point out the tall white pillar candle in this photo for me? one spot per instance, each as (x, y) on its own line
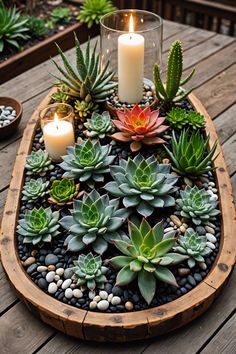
(130, 67)
(58, 134)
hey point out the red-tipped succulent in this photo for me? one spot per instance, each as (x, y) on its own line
(139, 126)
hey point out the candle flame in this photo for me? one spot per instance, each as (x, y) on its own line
(131, 24)
(56, 119)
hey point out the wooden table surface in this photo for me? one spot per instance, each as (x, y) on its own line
(214, 57)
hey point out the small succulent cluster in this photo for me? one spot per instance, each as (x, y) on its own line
(92, 10)
(146, 256)
(194, 246)
(143, 184)
(139, 126)
(171, 91)
(197, 205)
(89, 271)
(189, 153)
(38, 163)
(85, 107)
(34, 189)
(180, 118)
(87, 160)
(95, 220)
(39, 226)
(64, 191)
(99, 125)
(61, 95)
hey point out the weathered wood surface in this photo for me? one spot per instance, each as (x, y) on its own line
(215, 75)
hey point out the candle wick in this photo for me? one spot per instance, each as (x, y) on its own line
(130, 37)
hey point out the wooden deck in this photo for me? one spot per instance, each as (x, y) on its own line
(214, 56)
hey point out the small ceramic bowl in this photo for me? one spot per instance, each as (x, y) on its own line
(11, 127)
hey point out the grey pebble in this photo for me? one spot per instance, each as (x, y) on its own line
(210, 230)
(68, 273)
(116, 300)
(66, 283)
(51, 259)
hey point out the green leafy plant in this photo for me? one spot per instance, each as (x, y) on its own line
(87, 160)
(95, 220)
(64, 191)
(89, 271)
(197, 205)
(146, 257)
(36, 26)
(189, 153)
(139, 126)
(87, 82)
(92, 11)
(196, 120)
(194, 246)
(144, 184)
(34, 189)
(61, 14)
(180, 118)
(39, 226)
(13, 28)
(99, 125)
(61, 95)
(38, 163)
(171, 92)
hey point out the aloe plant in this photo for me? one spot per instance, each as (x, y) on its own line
(39, 226)
(95, 220)
(89, 271)
(143, 184)
(189, 153)
(146, 256)
(171, 91)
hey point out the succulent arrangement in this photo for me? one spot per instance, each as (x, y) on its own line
(139, 126)
(38, 163)
(194, 246)
(92, 10)
(99, 125)
(146, 256)
(143, 184)
(94, 220)
(171, 91)
(189, 153)
(64, 191)
(197, 205)
(39, 226)
(179, 118)
(34, 189)
(89, 271)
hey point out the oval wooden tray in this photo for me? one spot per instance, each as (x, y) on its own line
(126, 326)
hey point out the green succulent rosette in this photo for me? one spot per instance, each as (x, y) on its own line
(196, 120)
(34, 189)
(146, 256)
(63, 191)
(95, 220)
(39, 226)
(99, 125)
(177, 117)
(89, 271)
(92, 10)
(143, 184)
(38, 163)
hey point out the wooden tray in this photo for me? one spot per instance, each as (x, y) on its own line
(125, 326)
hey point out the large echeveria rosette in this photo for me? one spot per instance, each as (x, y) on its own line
(95, 220)
(143, 184)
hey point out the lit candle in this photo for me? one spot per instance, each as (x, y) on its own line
(58, 134)
(130, 65)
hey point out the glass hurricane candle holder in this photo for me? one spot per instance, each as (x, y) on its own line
(131, 40)
(57, 124)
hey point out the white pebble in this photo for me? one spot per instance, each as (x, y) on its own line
(91, 294)
(41, 269)
(208, 223)
(211, 238)
(212, 184)
(110, 296)
(97, 298)
(210, 245)
(60, 281)
(92, 305)
(116, 300)
(210, 230)
(66, 284)
(57, 277)
(103, 305)
(69, 293)
(168, 229)
(60, 271)
(50, 276)
(52, 288)
(77, 293)
(103, 294)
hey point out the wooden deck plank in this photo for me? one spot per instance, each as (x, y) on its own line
(225, 340)
(229, 149)
(3, 196)
(172, 28)
(7, 160)
(6, 294)
(21, 331)
(219, 93)
(233, 181)
(226, 124)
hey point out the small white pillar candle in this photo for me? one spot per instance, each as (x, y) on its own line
(130, 66)
(58, 134)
